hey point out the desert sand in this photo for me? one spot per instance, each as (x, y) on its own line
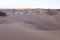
(30, 27)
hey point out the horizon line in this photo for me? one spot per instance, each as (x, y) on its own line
(29, 8)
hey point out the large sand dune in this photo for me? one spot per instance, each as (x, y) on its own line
(30, 27)
(21, 28)
(21, 31)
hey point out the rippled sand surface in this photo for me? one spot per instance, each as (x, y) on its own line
(30, 27)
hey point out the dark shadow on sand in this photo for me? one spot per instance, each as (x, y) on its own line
(38, 26)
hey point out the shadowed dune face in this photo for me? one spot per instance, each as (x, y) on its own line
(38, 24)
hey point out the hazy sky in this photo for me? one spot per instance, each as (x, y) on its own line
(29, 3)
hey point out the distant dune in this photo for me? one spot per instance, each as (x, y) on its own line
(30, 24)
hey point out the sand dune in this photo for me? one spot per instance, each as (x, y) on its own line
(20, 31)
(30, 27)
(26, 29)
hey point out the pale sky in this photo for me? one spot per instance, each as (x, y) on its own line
(30, 4)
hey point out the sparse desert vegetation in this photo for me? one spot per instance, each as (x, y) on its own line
(2, 13)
